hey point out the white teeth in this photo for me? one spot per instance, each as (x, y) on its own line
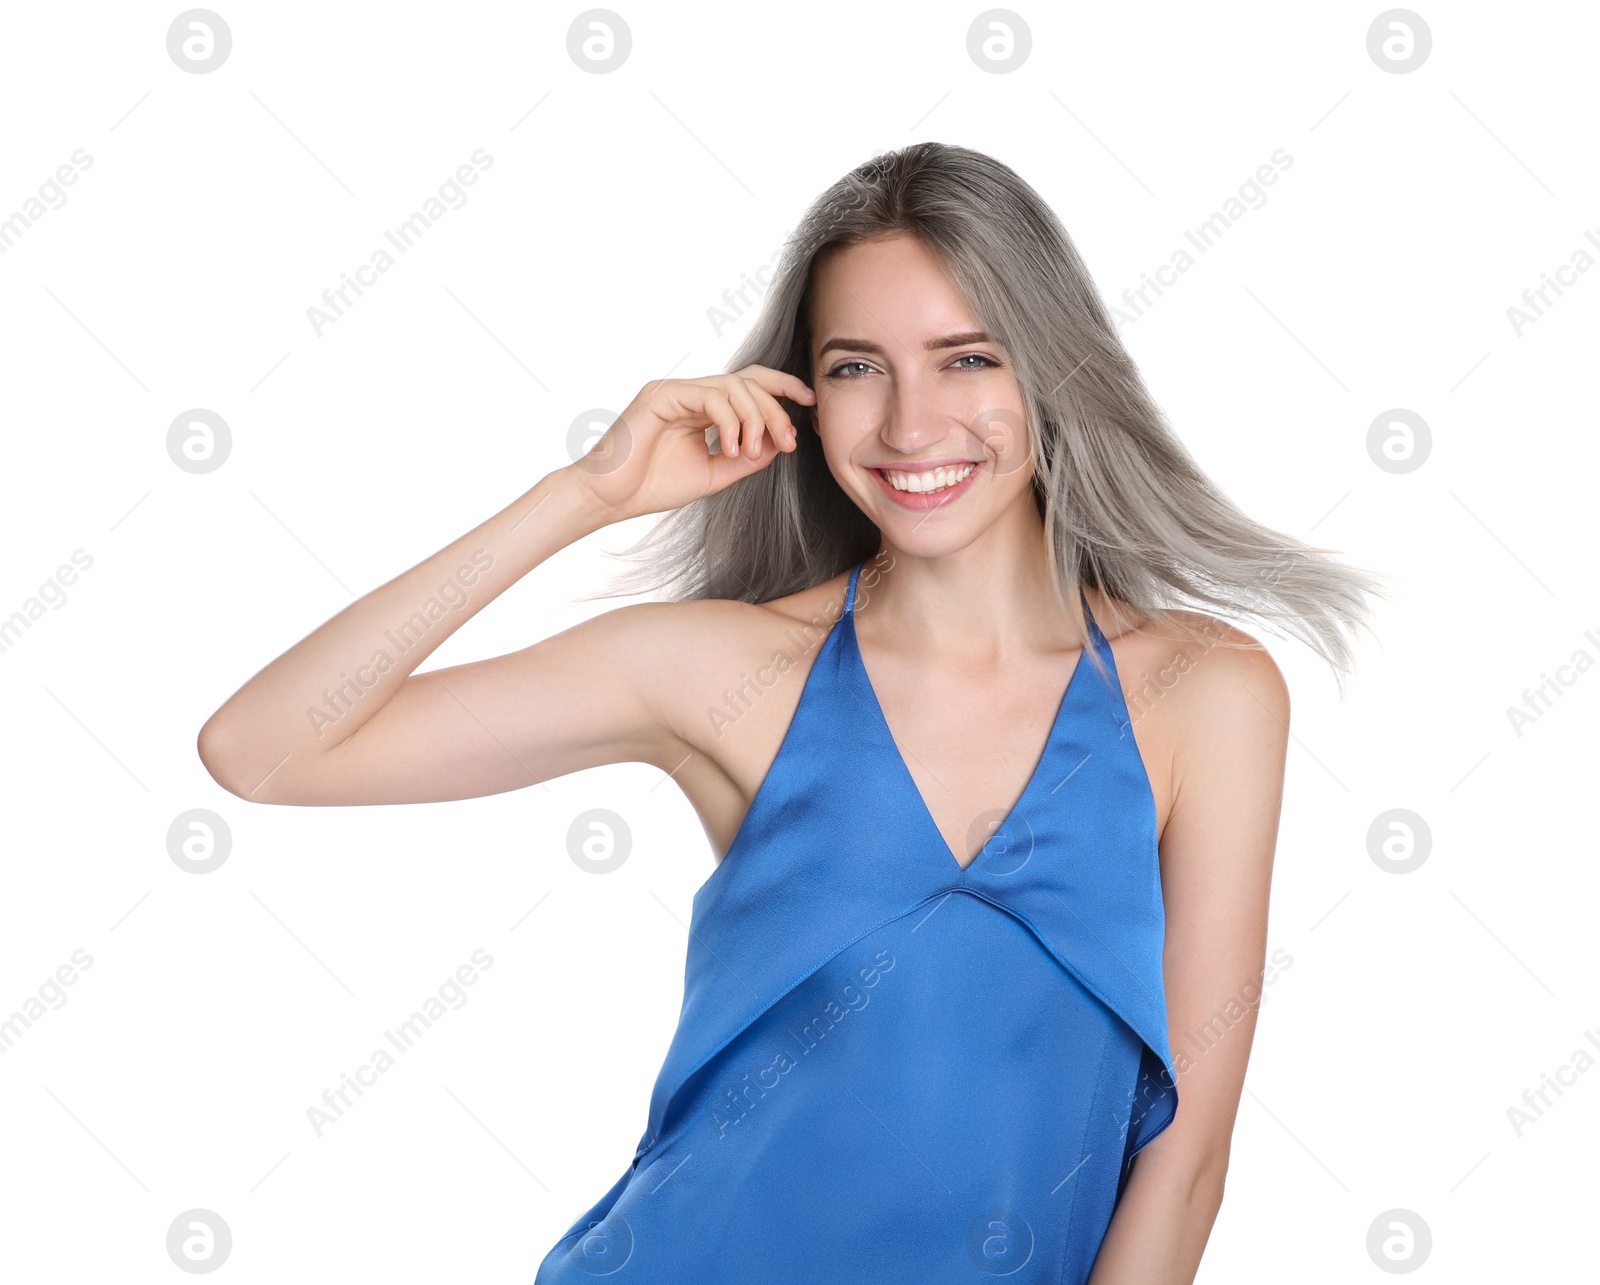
(923, 483)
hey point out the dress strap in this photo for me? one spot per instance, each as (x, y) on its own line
(850, 597)
(1096, 638)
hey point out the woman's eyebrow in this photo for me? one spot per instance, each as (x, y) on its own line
(933, 345)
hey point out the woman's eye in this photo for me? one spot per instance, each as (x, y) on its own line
(838, 371)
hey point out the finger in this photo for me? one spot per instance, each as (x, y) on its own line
(751, 416)
(780, 383)
(778, 422)
(714, 404)
(728, 469)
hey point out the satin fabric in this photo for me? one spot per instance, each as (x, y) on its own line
(888, 1068)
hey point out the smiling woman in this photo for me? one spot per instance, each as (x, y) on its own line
(932, 507)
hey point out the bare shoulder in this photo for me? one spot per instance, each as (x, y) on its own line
(724, 681)
(713, 663)
(1194, 666)
(1199, 692)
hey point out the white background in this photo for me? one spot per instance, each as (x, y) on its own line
(618, 209)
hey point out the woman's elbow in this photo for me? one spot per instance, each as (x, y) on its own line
(1193, 1179)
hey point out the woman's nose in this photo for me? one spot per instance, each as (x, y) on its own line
(919, 411)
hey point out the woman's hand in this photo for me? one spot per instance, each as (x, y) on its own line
(655, 457)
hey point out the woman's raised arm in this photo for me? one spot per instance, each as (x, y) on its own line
(342, 718)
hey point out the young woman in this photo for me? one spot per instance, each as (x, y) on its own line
(997, 804)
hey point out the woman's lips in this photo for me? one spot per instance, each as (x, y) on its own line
(923, 500)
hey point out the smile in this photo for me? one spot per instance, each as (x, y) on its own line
(927, 488)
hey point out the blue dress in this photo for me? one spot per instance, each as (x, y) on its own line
(890, 1069)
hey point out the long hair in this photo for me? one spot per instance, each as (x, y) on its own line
(1126, 508)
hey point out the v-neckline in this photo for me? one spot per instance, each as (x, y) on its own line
(910, 781)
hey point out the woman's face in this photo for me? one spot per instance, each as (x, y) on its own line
(911, 396)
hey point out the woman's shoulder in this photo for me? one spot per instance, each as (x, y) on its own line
(731, 621)
(694, 653)
(1195, 666)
